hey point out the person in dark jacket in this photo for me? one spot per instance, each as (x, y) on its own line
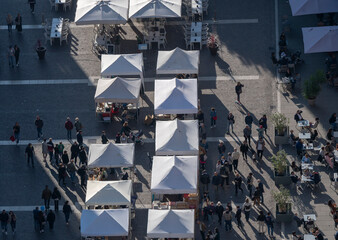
(244, 148)
(238, 183)
(221, 148)
(50, 148)
(56, 196)
(51, 219)
(39, 125)
(69, 126)
(42, 221)
(261, 222)
(74, 150)
(79, 138)
(16, 132)
(269, 223)
(4, 219)
(216, 181)
(77, 124)
(238, 90)
(247, 134)
(65, 158)
(238, 216)
(264, 122)
(261, 190)
(257, 197)
(83, 156)
(82, 173)
(219, 210)
(46, 195)
(104, 138)
(248, 120)
(205, 180)
(67, 211)
(29, 152)
(62, 173)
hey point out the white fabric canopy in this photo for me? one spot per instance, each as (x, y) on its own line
(174, 174)
(177, 61)
(177, 137)
(304, 7)
(111, 155)
(118, 90)
(90, 12)
(122, 65)
(171, 223)
(320, 39)
(108, 193)
(102, 223)
(155, 8)
(176, 96)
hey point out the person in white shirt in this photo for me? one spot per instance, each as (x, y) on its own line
(235, 156)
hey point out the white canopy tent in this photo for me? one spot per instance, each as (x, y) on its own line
(176, 96)
(174, 174)
(177, 137)
(118, 90)
(111, 155)
(171, 223)
(105, 223)
(108, 193)
(304, 7)
(320, 39)
(155, 8)
(122, 65)
(178, 61)
(89, 12)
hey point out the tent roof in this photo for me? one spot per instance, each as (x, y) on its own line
(111, 155)
(177, 61)
(112, 222)
(304, 7)
(174, 174)
(320, 39)
(176, 96)
(177, 137)
(118, 90)
(171, 223)
(155, 8)
(121, 65)
(108, 192)
(90, 12)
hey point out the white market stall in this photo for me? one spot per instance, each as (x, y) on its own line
(111, 155)
(105, 223)
(89, 12)
(116, 90)
(177, 137)
(111, 193)
(320, 39)
(176, 96)
(178, 61)
(171, 224)
(155, 8)
(304, 7)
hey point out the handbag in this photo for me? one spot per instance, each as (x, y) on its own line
(214, 118)
(12, 138)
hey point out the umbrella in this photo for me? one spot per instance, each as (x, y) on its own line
(304, 7)
(155, 8)
(320, 39)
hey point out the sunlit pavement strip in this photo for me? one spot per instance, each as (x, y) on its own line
(97, 139)
(218, 22)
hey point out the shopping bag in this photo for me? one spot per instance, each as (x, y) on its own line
(12, 138)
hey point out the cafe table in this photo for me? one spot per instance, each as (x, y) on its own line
(304, 135)
(56, 29)
(196, 34)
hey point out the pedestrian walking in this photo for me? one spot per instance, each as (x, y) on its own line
(235, 157)
(29, 152)
(51, 219)
(36, 218)
(249, 182)
(261, 190)
(238, 90)
(56, 154)
(12, 221)
(200, 116)
(247, 134)
(244, 148)
(229, 161)
(77, 124)
(65, 158)
(4, 219)
(104, 138)
(74, 151)
(9, 21)
(216, 181)
(216, 234)
(202, 229)
(71, 168)
(227, 219)
(44, 149)
(18, 23)
(16, 132)
(16, 55)
(269, 223)
(231, 122)
(224, 174)
(219, 211)
(213, 118)
(79, 138)
(83, 155)
(221, 148)
(32, 5)
(69, 126)
(46, 195)
(238, 216)
(248, 120)
(247, 209)
(39, 125)
(205, 180)
(260, 145)
(62, 173)
(263, 121)
(257, 197)
(82, 173)
(11, 56)
(56, 196)
(212, 212)
(50, 147)
(238, 183)
(261, 222)
(42, 221)
(67, 211)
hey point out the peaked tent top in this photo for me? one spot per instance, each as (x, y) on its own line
(121, 64)
(155, 8)
(320, 39)
(304, 7)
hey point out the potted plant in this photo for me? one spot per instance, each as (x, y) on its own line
(281, 168)
(283, 205)
(212, 45)
(312, 86)
(281, 122)
(40, 50)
